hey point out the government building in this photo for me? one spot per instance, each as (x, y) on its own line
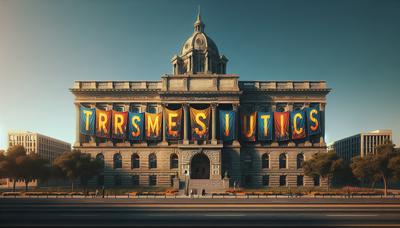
(198, 159)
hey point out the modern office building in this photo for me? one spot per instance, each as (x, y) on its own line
(44, 146)
(361, 144)
(199, 81)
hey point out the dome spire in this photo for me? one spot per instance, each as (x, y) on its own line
(198, 24)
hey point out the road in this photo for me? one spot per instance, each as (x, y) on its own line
(199, 213)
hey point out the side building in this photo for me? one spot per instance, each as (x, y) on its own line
(361, 144)
(44, 146)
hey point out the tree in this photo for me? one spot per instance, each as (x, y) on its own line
(90, 167)
(379, 166)
(13, 171)
(32, 167)
(325, 165)
(75, 166)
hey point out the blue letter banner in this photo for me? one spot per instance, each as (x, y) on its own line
(298, 125)
(313, 121)
(87, 118)
(264, 120)
(227, 127)
(135, 124)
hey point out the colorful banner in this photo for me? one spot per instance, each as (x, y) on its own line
(313, 121)
(119, 123)
(227, 127)
(135, 126)
(103, 123)
(281, 122)
(153, 126)
(298, 124)
(173, 127)
(87, 120)
(249, 126)
(265, 123)
(199, 121)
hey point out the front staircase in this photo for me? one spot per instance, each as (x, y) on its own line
(210, 186)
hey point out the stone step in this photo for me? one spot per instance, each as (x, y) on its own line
(208, 185)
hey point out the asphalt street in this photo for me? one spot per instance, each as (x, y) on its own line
(199, 213)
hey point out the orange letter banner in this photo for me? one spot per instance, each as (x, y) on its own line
(173, 123)
(119, 123)
(103, 123)
(249, 126)
(281, 120)
(200, 120)
(153, 125)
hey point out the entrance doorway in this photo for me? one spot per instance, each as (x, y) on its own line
(200, 167)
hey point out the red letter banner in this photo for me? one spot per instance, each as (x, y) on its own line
(103, 123)
(153, 126)
(119, 122)
(199, 120)
(173, 123)
(281, 120)
(249, 126)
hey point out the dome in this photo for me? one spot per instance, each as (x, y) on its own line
(201, 42)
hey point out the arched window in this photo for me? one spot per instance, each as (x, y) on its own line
(152, 161)
(300, 159)
(100, 157)
(173, 161)
(282, 161)
(265, 161)
(135, 161)
(117, 161)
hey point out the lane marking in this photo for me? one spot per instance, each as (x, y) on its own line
(352, 215)
(224, 215)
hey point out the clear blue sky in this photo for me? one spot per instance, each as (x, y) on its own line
(47, 44)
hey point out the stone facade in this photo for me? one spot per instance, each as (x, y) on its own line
(199, 80)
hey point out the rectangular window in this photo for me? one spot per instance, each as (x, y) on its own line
(135, 180)
(152, 180)
(300, 180)
(117, 180)
(265, 180)
(282, 180)
(316, 181)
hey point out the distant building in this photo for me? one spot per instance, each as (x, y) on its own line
(45, 146)
(361, 144)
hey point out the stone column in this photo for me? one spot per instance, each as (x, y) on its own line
(164, 125)
(185, 123)
(322, 109)
(235, 107)
(214, 124)
(92, 137)
(77, 125)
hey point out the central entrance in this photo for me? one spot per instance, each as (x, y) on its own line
(200, 167)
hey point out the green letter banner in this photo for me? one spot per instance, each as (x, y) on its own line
(119, 122)
(87, 119)
(298, 125)
(173, 123)
(103, 123)
(249, 126)
(153, 126)
(265, 120)
(135, 124)
(199, 120)
(313, 121)
(227, 128)
(281, 120)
